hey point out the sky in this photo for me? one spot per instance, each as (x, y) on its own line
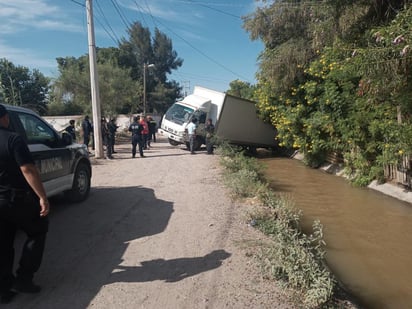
(207, 35)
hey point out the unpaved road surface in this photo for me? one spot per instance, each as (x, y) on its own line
(156, 232)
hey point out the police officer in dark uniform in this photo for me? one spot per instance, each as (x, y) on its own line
(24, 206)
(71, 130)
(112, 127)
(137, 137)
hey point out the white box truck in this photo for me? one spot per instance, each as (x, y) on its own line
(236, 120)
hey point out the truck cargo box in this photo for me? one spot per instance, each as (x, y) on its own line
(238, 123)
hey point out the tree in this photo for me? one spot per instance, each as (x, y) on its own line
(120, 71)
(22, 87)
(138, 50)
(118, 92)
(241, 89)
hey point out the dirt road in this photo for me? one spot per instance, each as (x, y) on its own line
(156, 232)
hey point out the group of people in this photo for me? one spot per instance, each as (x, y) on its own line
(143, 130)
(143, 133)
(109, 136)
(209, 130)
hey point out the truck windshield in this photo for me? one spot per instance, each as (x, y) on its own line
(178, 113)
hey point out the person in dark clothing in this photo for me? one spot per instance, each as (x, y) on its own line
(112, 132)
(24, 206)
(87, 130)
(210, 130)
(137, 136)
(71, 130)
(152, 130)
(106, 139)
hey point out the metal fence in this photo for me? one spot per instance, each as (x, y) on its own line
(400, 173)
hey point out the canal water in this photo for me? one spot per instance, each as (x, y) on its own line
(368, 234)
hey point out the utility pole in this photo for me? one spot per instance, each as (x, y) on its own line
(145, 67)
(186, 87)
(97, 137)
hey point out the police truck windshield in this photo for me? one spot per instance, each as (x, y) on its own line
(178, 113)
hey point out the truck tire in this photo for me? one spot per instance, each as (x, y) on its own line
(172, 142)
(81, 184)
(198, 143)
(197, 146)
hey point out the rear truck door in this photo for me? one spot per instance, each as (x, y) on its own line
(51, 156)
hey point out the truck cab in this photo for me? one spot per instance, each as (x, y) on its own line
(63, 165)
(202, 104)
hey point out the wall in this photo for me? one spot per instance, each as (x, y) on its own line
(61, 122)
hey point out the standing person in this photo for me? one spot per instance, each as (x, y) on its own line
(145, 133)
(106, 139)
(191, 131)
(137, 137)
(112, 132)
(23, 205)
(152, 129)
(210, 130)
(87, 130)
(71, 130)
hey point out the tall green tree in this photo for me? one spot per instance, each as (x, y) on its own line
(140, 49)
(22, 87)
(120, 71)
(118, 92)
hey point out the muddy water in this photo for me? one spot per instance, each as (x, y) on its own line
(368, 234)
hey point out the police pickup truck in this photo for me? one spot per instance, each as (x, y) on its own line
(64, 166)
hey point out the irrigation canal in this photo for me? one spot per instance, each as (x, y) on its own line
(368, 234)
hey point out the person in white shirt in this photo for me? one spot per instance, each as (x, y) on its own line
(191, 131)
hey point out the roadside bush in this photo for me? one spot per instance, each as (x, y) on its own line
(294, 258)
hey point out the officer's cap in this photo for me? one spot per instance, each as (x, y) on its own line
(3, 111)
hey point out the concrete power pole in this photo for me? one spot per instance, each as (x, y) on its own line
(97, 137)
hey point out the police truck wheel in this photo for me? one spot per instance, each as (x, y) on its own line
(81, 184)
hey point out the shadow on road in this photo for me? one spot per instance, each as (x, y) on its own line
(169, 270)
(86, 243)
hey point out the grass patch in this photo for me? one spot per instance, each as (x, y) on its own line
(294, 258)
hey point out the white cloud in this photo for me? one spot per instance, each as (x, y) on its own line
(20, 15)
(170, 10)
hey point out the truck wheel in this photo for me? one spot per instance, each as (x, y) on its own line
(198, 143)
(81, 184)
(172, 142)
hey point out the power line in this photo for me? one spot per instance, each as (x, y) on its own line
(197, 49)
(77, 2)
(211, 8)
(156, 21)
(122, 17)
(116, 39)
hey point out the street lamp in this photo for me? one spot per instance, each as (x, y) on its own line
(145, 66)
